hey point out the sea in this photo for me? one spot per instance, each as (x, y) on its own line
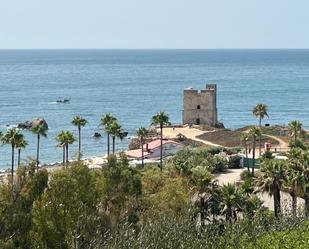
(136, 84)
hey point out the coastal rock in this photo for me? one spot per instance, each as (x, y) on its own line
(25, 125)
(39, 121)
(97, 135)
(219, 126)
(28, 125)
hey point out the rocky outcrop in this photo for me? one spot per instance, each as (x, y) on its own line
(28, 125)
(219, 126)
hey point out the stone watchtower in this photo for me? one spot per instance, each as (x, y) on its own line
(200, 107)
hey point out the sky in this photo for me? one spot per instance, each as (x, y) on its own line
(153, 24)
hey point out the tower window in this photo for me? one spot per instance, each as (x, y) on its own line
(198, 107)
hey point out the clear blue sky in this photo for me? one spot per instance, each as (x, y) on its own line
(154, 23)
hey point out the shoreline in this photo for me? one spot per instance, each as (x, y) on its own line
(93, 162)
(96, 161)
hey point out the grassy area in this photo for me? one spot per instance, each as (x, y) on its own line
(229, 138)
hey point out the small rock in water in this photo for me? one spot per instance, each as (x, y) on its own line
(97, 134)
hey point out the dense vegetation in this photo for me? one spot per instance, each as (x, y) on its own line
(177, 205)
(123, 207)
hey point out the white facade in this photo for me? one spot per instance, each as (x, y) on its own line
(169, 149)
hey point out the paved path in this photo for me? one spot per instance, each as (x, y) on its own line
(233, 175)
(282, 144)
(190, 133)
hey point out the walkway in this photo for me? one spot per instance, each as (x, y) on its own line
(188, 132)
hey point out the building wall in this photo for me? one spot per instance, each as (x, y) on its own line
(200, 106)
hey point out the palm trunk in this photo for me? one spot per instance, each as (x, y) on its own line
(18, 161)
(246, 153)
(253, 155)
(234, 215)
(202, 202)
(277, 202)
(38, 153)
(67, 154)
(63, 155)
(306, 197)
(294, 202)
(108, 144)
(142, 143)
(113, 137)
(228, 214)
(12, 169)
(161, 148)
(260, 137)
(79, 143)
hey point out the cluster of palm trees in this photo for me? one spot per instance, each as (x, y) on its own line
(113, 130)
(278, 175)
(16, 138)
(254, 134)
(290, 176)
(228, 200)
(161, 119)
(260, 111)
(17, 141)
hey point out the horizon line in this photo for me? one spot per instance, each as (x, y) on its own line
(154, 49)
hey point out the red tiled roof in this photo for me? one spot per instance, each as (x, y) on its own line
(151, 146)
(136, 153)
(157, 143)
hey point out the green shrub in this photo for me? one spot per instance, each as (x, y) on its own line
(245, 175)
(234, 162)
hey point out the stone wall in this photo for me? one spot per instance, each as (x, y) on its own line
(200, 107)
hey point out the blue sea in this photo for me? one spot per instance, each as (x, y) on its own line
(135, 84)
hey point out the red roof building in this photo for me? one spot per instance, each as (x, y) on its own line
(152, 149)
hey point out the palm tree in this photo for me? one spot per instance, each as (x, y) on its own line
(39, 130)
(296, 128)
(254, 133)
(65, 138)
(79, 122)
(21, 143)
(260, 111)
(12, 136)
(296, 183)
(106, 122)
(69, 139)
(61, 143)
(203, 181)
(298, 161)
(160, 119)
(115, 130)
(231, 201)
(244, 137)
(272, 179)
(142, 133)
